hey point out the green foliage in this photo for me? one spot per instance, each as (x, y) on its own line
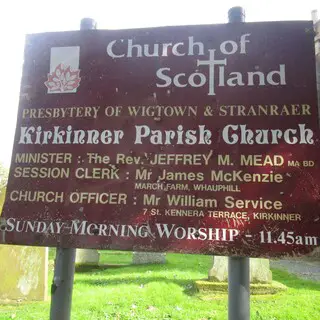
(3, 183)
(3, 176)
(141, 292)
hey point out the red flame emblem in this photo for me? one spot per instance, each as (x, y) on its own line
(63, 79)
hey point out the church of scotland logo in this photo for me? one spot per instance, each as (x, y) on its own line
(64, 75)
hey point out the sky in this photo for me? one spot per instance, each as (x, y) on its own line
(19, 17)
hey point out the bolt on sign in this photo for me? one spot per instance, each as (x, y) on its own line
(195, 139)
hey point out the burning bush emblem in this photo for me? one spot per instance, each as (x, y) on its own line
(63, 79)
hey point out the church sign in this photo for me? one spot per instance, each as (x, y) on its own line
(194, 139)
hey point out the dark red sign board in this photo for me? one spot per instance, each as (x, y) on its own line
(195, 139)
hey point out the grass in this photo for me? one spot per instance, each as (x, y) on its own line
(166, 292)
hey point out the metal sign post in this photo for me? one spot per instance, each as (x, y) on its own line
(238, 267)
(62, 284)
(238, 288)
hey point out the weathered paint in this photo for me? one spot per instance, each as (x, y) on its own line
(141, 174)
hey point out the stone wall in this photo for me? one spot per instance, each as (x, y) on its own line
(23, 272)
